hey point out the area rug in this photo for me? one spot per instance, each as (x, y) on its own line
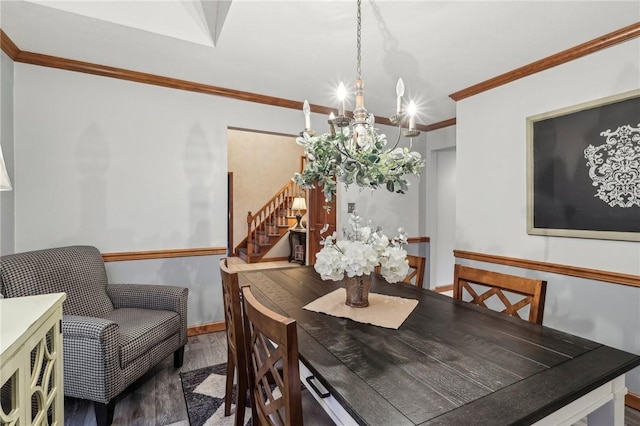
(204, 394)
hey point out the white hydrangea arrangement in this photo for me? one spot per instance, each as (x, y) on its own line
(362, 249)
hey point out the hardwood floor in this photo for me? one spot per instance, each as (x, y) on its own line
(156, 398)
(632, 417)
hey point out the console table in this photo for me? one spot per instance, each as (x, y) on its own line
(31, 327)
(301, 236)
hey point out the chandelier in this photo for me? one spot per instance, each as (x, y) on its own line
(353, 152)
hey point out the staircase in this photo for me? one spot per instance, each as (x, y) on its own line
(269, 224)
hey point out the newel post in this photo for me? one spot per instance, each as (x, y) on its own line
(249, 239)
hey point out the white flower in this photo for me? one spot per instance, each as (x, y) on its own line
(394, 264)
(397, 154)
(358, 258)
(361, 252)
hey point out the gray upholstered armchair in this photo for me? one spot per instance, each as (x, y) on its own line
(112, 334)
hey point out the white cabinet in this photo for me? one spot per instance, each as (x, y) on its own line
(31, 360)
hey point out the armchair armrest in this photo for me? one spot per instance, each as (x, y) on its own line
(91, 358)
(163, 297)
(89, 328)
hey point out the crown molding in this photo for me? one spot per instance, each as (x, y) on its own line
(616, 37)
(8, 46)
(40, 59)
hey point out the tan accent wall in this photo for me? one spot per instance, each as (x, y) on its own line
(261, 164)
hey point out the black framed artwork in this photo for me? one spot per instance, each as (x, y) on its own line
(583, 170)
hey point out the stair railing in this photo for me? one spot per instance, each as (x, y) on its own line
(275, 212)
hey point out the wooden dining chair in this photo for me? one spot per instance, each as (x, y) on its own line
(271, 344)
(481, 285)
(236, 356)
(416, 270)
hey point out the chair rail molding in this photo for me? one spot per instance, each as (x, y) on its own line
(556, 268)
(163, 254)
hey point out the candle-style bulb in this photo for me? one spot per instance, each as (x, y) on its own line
(306, 109)
(400, 87)
(332, 126)
(342, 94)
(399, 93)
(412, 115)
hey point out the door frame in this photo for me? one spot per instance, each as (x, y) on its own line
(230, 214)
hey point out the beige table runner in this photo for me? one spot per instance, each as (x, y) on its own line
(383, 311)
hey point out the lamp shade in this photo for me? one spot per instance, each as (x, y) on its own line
(299, 203)
(5, 182)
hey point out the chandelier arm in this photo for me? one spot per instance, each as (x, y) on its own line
(398, 139)
(345, 153)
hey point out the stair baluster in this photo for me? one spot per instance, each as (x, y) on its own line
(269, 224)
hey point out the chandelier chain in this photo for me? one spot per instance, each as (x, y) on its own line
(357, 154)
(358, 44)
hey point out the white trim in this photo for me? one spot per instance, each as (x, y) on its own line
(581, 407)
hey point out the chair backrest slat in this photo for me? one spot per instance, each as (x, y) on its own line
(531, 292)
(232, 312)
(271, 344)
(237, 359)
(416, 274)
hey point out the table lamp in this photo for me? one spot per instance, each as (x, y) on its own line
(299, 203)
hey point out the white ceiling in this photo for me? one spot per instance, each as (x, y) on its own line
(301, 49)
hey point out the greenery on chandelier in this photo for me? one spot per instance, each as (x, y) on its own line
(359, 158)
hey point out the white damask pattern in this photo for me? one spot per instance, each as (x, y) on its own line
(614, 167)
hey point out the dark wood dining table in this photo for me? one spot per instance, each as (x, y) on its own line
(449, 363)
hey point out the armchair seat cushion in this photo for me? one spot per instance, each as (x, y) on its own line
(141, 330)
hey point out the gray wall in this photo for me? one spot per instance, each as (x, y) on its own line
(200, 274)
(132, 167)
(122, 165)
(491, 202)
(129, 167)
(441, 192)
(7, 217)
